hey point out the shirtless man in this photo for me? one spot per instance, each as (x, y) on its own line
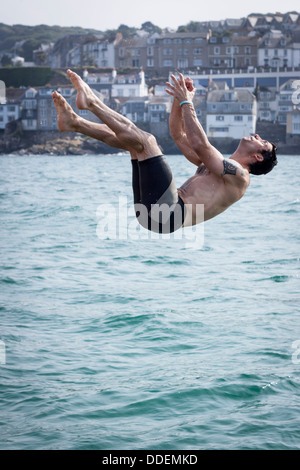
(159, 205)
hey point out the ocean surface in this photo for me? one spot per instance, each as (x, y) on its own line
(112, 339)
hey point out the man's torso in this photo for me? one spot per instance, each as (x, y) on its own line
(215, 192)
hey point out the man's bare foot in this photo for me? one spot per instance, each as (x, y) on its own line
(85, 96)
(67, 119)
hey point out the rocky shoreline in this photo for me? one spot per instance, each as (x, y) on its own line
(56, 144)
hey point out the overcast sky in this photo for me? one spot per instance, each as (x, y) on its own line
(109, 14)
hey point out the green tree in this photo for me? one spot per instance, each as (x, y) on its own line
(126, 31)
(6, 60)
(151, 28)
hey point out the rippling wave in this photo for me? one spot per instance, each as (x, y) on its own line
(146, 343)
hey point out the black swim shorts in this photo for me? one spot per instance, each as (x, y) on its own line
(158, 206)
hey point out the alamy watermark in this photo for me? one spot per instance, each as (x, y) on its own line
(296, 353)
(118, 221)
(2, 92)
(296, 93)
(2, 353)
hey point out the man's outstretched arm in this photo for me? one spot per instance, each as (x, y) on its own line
(196, 136)
(231, 170)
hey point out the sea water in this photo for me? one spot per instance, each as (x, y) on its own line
(111, 339)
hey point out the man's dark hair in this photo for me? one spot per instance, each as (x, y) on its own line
(268, 163)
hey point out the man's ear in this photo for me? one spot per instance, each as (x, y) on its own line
(258, 157)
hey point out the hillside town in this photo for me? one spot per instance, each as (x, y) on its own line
(246, 72)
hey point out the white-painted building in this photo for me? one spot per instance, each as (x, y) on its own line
(98, 53)
(275, 50)
(129, 86)
(231, 114)
(285, 101)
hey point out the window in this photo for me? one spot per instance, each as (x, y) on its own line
(216, 50)
(182, 63)
(168, 51)
(198, 51)
(213, 39)
(296, 126)
(168, 63)
(225, 39)
(247, 50)
(266, 52)
(150, 51)
(167, 41)
(150, 63)
(228, 50)
(218, 129)
(219, 118)
(177, 41)
(197, 62)
(238, 118)
(250, 118)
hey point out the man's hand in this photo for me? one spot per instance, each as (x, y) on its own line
(182, 90)
(189, 84)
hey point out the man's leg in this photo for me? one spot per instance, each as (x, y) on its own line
(141, 143)
(69, 121)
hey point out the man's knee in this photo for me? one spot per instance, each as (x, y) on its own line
(150, 144)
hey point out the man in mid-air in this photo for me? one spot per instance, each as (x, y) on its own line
(159, 205)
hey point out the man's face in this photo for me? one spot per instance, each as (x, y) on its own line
(255, 144)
